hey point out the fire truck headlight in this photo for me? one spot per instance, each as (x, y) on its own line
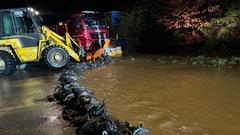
(88, 45)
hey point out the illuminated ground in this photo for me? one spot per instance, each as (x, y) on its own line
(23, 106)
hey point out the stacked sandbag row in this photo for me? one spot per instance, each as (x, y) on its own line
(99, 62)
(86, 112)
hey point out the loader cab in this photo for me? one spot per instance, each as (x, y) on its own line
(21, 23)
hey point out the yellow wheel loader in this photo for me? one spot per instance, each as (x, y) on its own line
(23, 39)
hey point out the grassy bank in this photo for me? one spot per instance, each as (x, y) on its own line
(201, 60)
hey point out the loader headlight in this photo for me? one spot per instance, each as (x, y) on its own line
(31, 9)
(36, 13)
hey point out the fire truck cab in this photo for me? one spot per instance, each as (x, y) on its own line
(88, 28)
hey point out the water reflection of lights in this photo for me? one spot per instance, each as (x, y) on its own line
(52, 118)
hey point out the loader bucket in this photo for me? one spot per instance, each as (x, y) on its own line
(114, 52)
(109, 50)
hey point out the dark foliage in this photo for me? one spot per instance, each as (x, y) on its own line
(208, 27)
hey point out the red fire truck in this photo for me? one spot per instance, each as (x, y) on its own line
(88, 28)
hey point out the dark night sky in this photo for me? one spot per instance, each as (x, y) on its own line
(59, 10)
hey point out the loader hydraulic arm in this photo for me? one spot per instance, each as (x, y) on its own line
(68, 43)
(52, 35)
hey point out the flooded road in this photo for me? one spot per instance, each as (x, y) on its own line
(24, 109)
(169, 99)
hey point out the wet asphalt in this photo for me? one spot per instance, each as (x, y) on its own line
(24, 109)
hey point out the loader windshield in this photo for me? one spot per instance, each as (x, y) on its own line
(27, 21)
(38, 19)
(24, 22)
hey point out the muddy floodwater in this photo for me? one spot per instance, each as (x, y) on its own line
(169, 99)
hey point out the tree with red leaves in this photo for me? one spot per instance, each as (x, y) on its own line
(188, 17)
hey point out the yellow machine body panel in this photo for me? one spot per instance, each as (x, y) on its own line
(27, 54)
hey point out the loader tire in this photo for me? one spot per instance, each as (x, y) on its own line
(7, 63)
(56, 57)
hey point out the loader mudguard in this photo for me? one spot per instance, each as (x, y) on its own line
(9, 49)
